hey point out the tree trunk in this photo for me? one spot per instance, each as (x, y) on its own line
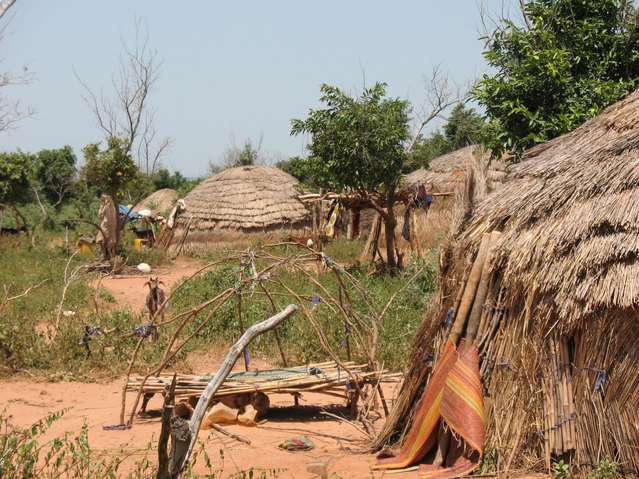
(389, 230)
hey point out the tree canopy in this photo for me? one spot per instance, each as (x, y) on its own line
(462, 128)
(571, 60)
(357, 143)
(55, 171)
(109, 170)
(16, 170)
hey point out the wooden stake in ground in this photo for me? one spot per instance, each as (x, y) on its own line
(223, 372)
(167, 410)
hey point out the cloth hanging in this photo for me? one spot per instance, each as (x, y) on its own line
(453, 398)
(406, 228)
(330, 226)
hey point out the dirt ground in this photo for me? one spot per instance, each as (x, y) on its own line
(130, 290)
(336, 442)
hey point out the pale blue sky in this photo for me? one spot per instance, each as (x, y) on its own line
(233, 69)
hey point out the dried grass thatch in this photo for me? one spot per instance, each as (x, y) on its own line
(158, 203)
(560, 326)
(239, 203)
(448, 172)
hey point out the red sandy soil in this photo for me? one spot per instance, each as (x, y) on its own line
(99, 404)
(336, 442)
(129, 290)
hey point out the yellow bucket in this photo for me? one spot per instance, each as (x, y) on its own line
(84, 248)
(138, 243)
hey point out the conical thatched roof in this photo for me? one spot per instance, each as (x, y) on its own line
(448, 172)
(570, 214)
(246, 199)
(159, 202)
(559, 323)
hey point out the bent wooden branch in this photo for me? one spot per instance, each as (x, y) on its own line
(225, 369)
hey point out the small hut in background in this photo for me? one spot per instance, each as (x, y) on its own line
(160, 202)
(444, 178)
(559, 332)
(239, 204)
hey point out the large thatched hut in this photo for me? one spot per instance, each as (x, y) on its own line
(238, 204)
(558, 337)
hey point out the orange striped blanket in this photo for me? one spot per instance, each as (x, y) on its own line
(453, 397)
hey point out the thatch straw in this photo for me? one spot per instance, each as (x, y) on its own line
(242, 201)
(565, 276)
(159, 203)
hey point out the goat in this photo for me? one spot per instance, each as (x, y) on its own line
(155, 301)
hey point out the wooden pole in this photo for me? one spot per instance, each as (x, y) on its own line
(469, 292)
(167, 411)
(275, 332)
(480, 295)
(223, 372)
(241, 321)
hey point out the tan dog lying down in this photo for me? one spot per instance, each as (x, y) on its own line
(244, 409)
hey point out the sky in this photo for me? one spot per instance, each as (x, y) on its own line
(231, 70)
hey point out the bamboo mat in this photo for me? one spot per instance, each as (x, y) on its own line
(318, 377)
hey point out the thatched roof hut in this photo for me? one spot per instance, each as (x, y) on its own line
(159, 202)
(448, 172)
(559, 331)
(238, 203)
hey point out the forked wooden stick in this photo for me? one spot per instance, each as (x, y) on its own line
(223, 372)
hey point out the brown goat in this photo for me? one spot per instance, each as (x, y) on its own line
(155, 301)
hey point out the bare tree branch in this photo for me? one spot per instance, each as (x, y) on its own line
(126, 113)
(5, 5)
(440, 95)
(11, 111)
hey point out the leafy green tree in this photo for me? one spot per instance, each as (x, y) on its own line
(164, 179)
(572, 59)
(55, 172)
(299, 168)
(463, 127)
(16, 173)
(358, 144)
(111, 170)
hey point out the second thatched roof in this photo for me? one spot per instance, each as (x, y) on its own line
(447, 173)
(159, 202)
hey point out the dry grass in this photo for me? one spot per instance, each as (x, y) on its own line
(566, 272)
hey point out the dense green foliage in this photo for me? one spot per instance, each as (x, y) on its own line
(356, 143)
(163, 178)
(577, 57)
(109, 170)
(55, 172)
(16, 170)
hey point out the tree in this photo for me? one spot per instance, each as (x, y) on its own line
(297, 167)
(16, 171)
(55, 172)
(569, 61)
(127, 114)
(463, 127)
(111, 170)
(358, 144)
(11, 111)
